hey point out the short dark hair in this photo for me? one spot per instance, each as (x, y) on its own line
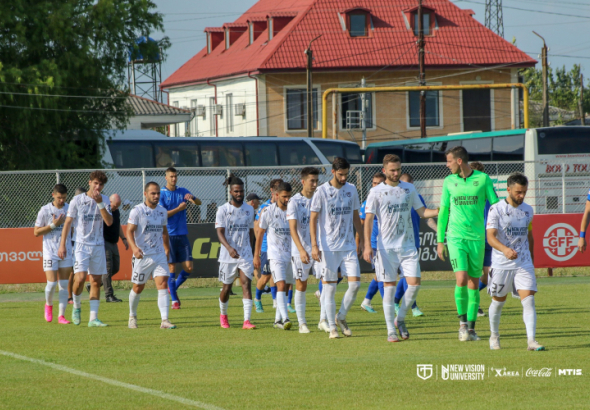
(80, 190)
(477, 166)
(150, 184)
(379, 175)
(172, 170)
(99, 176)
(60, 189)
(407, 176)
(390, 158)
(275, 183)
(284, 187)
(340, 163)
(458, 152)
(307, 171)
(517, 178)
(232, 180)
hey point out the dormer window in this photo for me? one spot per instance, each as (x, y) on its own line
(358, 21)
(425, 24)
(428, 20)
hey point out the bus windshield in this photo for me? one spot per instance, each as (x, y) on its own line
(333, 149)
(563, 140)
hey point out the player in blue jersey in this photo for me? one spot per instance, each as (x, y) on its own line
(585, 218)
(175, 200)
(265, 276)
(374, 286)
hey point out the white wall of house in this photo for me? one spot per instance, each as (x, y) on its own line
(230, 93)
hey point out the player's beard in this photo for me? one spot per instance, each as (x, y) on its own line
(236, 201)
(393, 179)
(517, 201)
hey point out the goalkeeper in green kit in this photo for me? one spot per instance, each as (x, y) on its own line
(462, 206)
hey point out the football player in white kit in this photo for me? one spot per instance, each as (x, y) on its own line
(392, 202)
(298, 217)
(235, 229)
(334, 211)
(49, 224)
(509, 232)
(89, 210)
(148, 237)
(274, 220)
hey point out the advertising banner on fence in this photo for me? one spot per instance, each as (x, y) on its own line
(556, 241)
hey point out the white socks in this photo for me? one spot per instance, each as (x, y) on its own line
(367, 302)
(323, 315)
(278, 317)
(389, 308)
(133, 302)
(77, 301)
(529, 315)
(163, 303)
(223, 307)
(495, 312)
(63, 296)
(94, 309)
(349, 298)
(329, 301)
(300, 306)
(247, 308)
(407, 302)
(282, 305)
(49, 291)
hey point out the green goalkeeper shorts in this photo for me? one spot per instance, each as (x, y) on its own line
(466, 255)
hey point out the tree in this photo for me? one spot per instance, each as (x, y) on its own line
(62, 77)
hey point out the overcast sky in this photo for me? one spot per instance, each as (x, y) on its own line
(561, 22)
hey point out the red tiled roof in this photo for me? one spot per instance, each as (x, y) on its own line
(460, 41)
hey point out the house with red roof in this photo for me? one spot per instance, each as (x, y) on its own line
(249, 78)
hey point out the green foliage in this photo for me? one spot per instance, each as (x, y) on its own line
(62, 77)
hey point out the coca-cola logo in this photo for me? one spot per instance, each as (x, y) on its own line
(544, 372)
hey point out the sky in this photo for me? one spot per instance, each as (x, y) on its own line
(560, 22)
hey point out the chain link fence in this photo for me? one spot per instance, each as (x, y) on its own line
(554, 187)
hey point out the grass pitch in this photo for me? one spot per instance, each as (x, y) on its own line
(268, 368)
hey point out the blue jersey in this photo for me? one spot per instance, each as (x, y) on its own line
(416, 223)
(264, 247)
(171, 200)
(375, 232)
(588, 195)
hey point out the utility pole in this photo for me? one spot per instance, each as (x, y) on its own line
(364, 113)
(582, 114)
(309, 55)
(422, 73)
(545, 83)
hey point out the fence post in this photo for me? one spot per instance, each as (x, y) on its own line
(57, 177)
(142, 179)
(563, 187)
(228, 173)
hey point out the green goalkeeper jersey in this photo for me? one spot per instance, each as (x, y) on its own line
(462, 205)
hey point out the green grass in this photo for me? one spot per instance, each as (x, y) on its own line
(268, 368)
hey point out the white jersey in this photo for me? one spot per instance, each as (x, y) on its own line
(335, 222)
(278, 234)
(51, 240)
(393, 206)
(237, 223)
(87, 219)
(298, 210)
(513, 226)
(150, 228)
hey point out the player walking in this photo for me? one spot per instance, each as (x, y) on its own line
(298, 217)
(391, 202)
(509, 231)
(148, 238)
(334, 211)
(274, 221)
(89, 210)
(235, 229)
(49, 224)
(174, 199)
(464, 196)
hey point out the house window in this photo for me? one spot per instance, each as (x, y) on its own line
(353, 102)
(432, 109)
(229, 118)
(194, 126)
(297, 109)
(176, 127)
(425, 23)
(358, 24)
(212, 117)
(477, 110)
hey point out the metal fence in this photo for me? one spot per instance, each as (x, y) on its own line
(559, 187)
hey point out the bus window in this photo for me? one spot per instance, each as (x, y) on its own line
(352, 153)
(417, 153)
(222, 155)
(297, 153)
(382, 152)
(508, 148)
(330, 149)
(479, 149)
(563, 140)
(261, 154)
(185, 155)
(132, 154)
(439, 149)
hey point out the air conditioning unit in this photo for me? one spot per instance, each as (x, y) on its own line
(218, 109)
(240, 109)
(199, 111)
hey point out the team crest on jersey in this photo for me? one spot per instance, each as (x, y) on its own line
(456, 184)
(407, 190)
(348, 194)
(475, 183)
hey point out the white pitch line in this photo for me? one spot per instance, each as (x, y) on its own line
(114, 382)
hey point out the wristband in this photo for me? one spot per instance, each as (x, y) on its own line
(101, 205)
(582, 234)
(52, 226)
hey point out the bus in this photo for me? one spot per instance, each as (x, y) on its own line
(548, 156)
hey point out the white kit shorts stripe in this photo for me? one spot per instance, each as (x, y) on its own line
(230, 271)
(501, 281)
(388, 261)
(149, 266)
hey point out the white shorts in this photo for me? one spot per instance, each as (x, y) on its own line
(501, 281)
(302, 270)
(281, 270)
(53, 264)
(90, 258)
(387, 262)
(147, 267)
(347, 261)
(230, 271)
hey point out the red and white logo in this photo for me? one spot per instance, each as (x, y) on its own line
(560, 242)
